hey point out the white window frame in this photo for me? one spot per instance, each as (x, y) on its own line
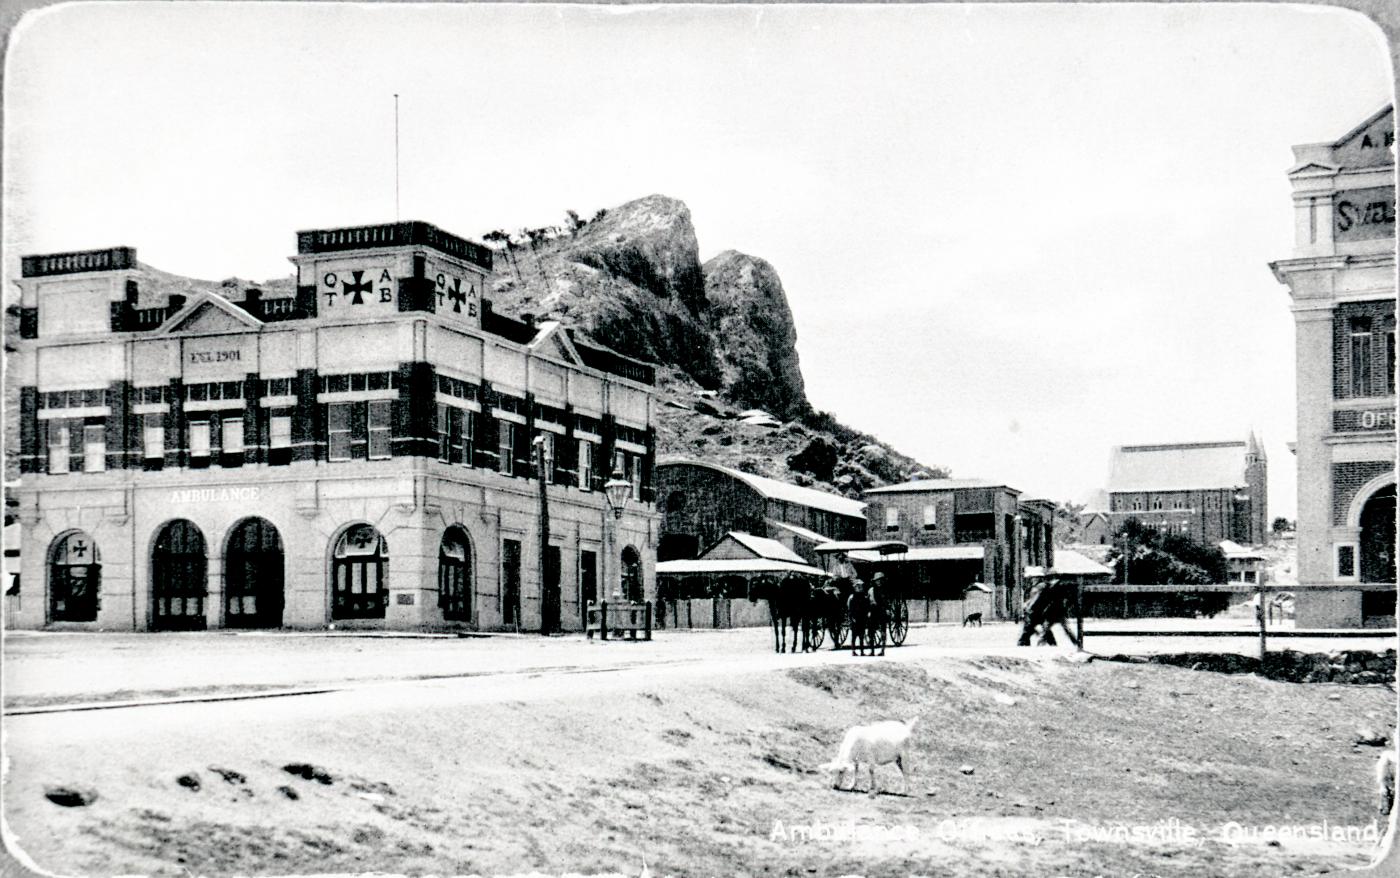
(229, 430)
(505, 447)
(444, 432)
(931, 518)
(585, 465)
(94, 449)
(279, 431)
(153, 436)
(348, 431)
(1355, 562)
(891, 518)
(385, 430)
(59, 462)
(468, 437)
(200, 439)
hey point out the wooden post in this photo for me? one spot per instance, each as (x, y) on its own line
(648, 635)
(1263, 633)
(1079, 611)
(603, 618)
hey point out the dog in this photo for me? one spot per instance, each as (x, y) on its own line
(973, 619)
(876, 744)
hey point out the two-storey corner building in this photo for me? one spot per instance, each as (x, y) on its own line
(700, 503)
(364, 449)
(1209, 491)
(959, 531)
(1342, 282)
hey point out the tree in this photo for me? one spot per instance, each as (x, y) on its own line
(1281, 526)
(575, 223)
(1067, 525)
(1142, 555)
(1171, 559)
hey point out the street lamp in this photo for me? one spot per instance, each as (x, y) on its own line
(616, 491)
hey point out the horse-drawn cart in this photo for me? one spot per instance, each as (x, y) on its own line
(847, 561)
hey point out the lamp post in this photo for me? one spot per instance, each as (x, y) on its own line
(615, 491)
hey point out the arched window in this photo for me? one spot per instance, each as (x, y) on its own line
(455, 576)
(178, 578)
(75, 577)
(631, 574)
(360, 574)
(253, 576)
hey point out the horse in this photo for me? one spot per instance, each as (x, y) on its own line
(867, 617)
(788, 603)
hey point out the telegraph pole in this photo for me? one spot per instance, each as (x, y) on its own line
(396, 156)
(549, 620)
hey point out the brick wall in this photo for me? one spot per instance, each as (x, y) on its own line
(1347, 479)
(1382, 317)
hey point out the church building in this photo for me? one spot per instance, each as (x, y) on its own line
(370, 447)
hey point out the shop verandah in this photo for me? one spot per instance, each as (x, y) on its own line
(727, 586)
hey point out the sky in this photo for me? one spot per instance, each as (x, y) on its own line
(1012, 236)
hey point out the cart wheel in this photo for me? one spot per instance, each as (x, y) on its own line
(899, 622)
(817, 635)
(840, 629)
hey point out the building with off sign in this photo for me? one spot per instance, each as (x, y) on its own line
(1341, 278)
(368, 445)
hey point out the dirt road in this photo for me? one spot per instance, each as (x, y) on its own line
(707, 767)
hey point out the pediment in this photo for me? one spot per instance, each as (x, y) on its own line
(1369, 144)
(211, 314)
(553, 341)
(1311, 169)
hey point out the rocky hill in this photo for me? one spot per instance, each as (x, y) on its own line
(721, 334)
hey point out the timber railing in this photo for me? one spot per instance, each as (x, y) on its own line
(1261, 628)
(613, 619)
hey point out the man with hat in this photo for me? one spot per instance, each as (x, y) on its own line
(1047, 605)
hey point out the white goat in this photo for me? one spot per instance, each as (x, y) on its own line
(1385, 781)
(876, 744)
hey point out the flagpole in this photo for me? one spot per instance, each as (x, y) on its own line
(396, 156)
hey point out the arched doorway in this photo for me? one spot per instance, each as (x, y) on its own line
(360, 574)
(75, 578)
(179, 582)
(1378, 536)
(253, 576)
(455, 576)
(631, 574)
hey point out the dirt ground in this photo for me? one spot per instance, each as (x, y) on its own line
(1034, 765)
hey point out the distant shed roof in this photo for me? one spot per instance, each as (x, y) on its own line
(734, 565)
(766, 548)
(809, 535)
(1235, 551)
(1184, 467)
(938, 485)
(1071, 563)
(776, 490)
